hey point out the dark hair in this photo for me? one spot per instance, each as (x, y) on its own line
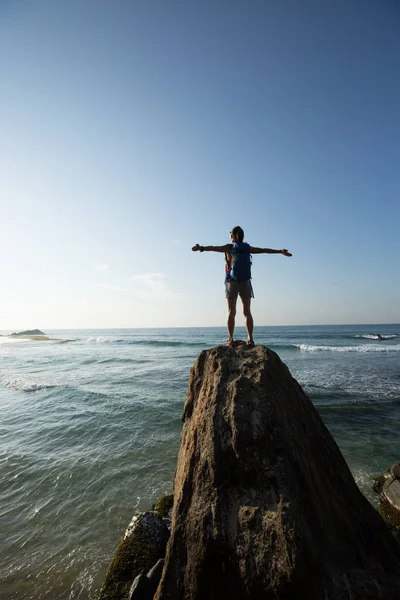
(238, 233)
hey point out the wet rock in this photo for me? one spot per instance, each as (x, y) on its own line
(142, 546)
(140, 589)
(387, 486)
(154, 575)
(144, 586)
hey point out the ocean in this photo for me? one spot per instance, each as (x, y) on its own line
(90, 425)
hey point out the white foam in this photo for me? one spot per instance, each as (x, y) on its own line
(365, 483)
(375, 336)
(15, 383)
(11, 340)
(361, 348)
(31, 382)
(98, 340)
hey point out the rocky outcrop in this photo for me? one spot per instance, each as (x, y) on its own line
(265, 506)
(388, 488)
(142, 546)
(29, 332)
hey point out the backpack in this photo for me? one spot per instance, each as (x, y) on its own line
(241, 262)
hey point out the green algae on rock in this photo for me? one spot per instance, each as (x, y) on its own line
(142, 546)
(164, 505)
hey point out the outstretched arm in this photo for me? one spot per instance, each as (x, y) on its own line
(226, 248)
(269, 251)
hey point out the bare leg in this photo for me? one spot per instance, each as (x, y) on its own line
(231, 318)
(248, 319)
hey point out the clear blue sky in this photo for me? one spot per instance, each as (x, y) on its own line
(132, 130)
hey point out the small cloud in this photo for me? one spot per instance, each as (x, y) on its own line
(113, 287)
(102, 268)
(152, 286)
(147, 277)
(147, 286)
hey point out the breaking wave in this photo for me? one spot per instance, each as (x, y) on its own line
(158, 343)
(362, 348)
(22, 385)
(376, 336)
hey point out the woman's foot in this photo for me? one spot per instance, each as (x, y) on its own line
(229, 343)
(250, 343)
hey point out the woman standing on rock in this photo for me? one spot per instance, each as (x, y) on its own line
(238, 277)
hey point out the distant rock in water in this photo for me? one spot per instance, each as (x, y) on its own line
(265, 506)
(29, 332)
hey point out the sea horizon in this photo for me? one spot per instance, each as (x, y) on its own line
(383, 324)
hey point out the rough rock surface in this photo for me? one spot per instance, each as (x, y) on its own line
(388, 488)
(265, 506)
(143, 545)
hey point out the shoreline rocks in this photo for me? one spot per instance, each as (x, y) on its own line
(264, 506)
(144, 586)
(143, 544)
(387, 486)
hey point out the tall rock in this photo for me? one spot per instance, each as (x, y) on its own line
(265, 506)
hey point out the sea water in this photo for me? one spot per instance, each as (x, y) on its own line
(90, 425)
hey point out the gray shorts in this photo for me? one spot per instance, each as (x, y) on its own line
(244, 289)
